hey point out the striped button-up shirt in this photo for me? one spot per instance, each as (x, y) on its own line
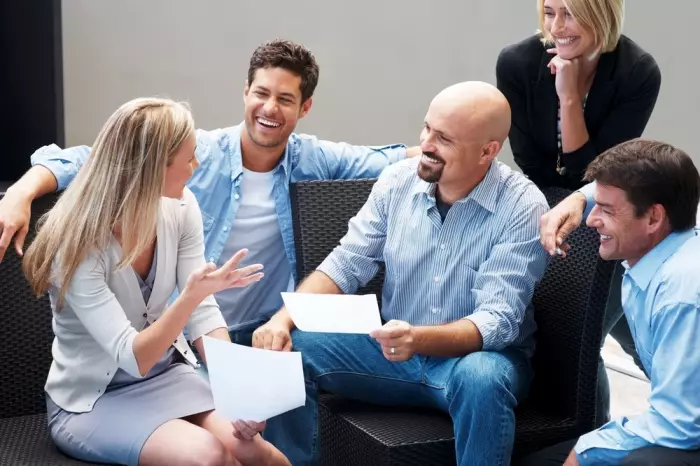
(481, 263)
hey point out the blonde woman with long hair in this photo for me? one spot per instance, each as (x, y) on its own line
(122, 387)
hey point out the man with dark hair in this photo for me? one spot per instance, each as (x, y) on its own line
(242, 181)
(645, 197)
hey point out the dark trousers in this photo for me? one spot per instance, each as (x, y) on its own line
(649, 456)
(243, 337)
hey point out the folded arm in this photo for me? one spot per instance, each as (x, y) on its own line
(626, 121)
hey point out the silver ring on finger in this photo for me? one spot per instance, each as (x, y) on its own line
(392, 350)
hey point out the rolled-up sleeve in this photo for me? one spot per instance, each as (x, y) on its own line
(99, 311)
(63, 163)
(207, 316)
(588, 191)
(356, 259)
(506, 281)
(346, 161)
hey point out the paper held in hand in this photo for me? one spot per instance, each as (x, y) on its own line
(253, 384)
(333, 313)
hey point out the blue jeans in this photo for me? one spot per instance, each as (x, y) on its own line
(244, 335)
(479, 391)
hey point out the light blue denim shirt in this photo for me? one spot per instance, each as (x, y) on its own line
(661, 300)
(216, 183)
(481, 263)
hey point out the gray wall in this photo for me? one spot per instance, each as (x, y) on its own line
(381, 60)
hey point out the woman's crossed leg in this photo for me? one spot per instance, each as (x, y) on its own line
(206, 439)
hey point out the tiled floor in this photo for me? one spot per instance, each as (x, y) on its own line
(629, 393)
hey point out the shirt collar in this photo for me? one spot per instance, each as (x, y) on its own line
(237, 154)
(485, 193)
(644, 270)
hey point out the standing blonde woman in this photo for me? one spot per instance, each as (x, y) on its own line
(577, 88)
(122, 387)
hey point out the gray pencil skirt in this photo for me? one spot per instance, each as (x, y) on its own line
(123, 418)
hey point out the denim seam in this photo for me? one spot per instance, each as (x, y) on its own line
(367, 375)
(499, 456)
(449, 398)
(424, 377)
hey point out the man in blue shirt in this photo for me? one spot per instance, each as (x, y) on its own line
(242, 183)
(644, 203)
(458, 233)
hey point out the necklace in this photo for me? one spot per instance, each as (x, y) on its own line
(562, 170)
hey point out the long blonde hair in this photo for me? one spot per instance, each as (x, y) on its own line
(121, 183)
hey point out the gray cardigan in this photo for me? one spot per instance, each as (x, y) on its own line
(104, 310)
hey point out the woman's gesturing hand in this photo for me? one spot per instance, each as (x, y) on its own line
(209, 280)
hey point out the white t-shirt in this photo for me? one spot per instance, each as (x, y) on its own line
(257, 229)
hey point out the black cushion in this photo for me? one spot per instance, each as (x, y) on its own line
(25, 441)
(25, 357)
(25, 333)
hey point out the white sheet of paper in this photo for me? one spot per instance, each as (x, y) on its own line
(253, 384)
(333, 313)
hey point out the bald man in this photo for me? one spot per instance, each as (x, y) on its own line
(458, 232)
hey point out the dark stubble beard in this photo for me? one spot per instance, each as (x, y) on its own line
(430, 174)
(258, 141)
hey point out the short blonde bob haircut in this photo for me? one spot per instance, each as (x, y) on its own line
(603, 17)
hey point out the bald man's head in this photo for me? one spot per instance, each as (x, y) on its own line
(465, 128)
(479, 109)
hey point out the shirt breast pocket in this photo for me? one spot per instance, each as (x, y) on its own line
(207, 222)
(463, 281)
(644, 355)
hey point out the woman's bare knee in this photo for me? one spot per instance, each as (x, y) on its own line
(256, 452)
(179, 442)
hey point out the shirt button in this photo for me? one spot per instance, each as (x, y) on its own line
(107, 373)
(236, 196)
(442, 246)
(225, 228)
(434, 310)
(436, 278)
(211, 259)
(145, 315)
(175, 342)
